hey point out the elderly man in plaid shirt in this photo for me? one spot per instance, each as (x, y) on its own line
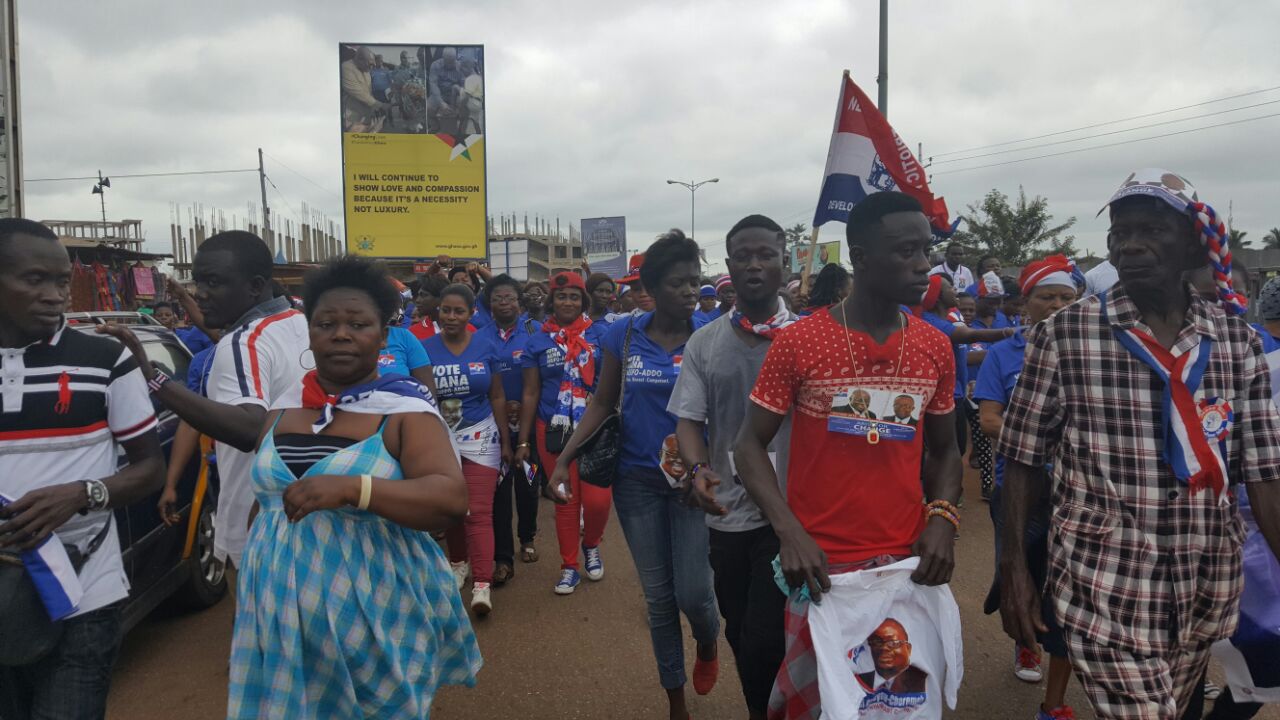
(1152, 405)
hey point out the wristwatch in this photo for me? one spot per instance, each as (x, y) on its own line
(96, 493)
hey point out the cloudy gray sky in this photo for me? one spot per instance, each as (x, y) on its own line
(592, 105)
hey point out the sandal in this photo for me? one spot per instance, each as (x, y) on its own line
(503, 572)
(528, 553)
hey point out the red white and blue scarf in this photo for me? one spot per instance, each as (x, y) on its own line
(1194, 433)
(579, 370)
(387, 395)
(767, 329)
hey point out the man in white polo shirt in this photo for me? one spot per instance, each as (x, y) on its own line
(68, 401)
(258, 364)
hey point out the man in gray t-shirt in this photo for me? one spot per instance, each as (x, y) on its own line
(718, 370)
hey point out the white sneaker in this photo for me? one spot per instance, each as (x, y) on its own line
(460, 572)
(480, 603)
(1026, 665)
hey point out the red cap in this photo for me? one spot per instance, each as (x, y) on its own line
(633, 269)
(568, 279)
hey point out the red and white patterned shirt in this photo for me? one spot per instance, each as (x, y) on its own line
(858, 499)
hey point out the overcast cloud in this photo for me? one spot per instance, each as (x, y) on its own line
(591, 106)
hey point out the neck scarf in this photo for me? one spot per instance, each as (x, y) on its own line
(579, 370)
(386, 395)
(1188, 426)
(769, 328)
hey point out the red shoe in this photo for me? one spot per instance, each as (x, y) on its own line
(705, 674)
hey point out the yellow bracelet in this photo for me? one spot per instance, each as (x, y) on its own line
(366, 490)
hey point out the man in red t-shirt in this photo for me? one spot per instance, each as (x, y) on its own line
(854, 495)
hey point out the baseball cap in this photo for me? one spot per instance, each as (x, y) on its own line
(633, 269)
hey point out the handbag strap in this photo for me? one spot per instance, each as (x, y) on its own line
(626, 350)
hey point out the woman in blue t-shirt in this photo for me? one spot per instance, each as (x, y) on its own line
(560, 364)
(669, 540)
(509, 335)
(470, 400)
(1047, 286)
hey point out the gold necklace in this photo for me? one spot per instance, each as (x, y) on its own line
(873, 435)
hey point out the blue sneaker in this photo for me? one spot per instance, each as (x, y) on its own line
(594, 563)
(568, 582)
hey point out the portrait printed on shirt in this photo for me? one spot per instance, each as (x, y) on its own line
(670, 461)
(875, 413)
(451, 411)
(882, 666)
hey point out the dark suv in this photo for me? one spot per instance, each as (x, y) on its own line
(165, 562)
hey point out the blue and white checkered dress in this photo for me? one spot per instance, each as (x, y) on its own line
(343, 614)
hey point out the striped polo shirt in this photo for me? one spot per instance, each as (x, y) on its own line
(65, 404)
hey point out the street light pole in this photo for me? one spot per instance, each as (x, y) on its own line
(693, 201)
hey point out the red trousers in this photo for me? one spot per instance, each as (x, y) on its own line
(588, 501)
(473, 539)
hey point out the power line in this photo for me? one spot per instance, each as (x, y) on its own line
(1107, 145)
(1105, 134)
(145, 175)
(1109, 122)
(304, 177)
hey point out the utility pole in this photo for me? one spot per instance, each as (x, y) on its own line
(883, 78)
(266, 211)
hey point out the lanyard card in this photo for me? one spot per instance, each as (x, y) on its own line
(875, 414)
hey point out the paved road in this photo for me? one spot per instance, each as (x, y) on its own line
(549, 657)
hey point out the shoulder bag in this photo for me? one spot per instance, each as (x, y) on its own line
(598, 453)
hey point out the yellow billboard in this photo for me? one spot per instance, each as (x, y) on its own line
(413, 151)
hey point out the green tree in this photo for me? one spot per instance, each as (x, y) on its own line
(1016, 233)
(1236, 241)
(796, 234)
(1271, 241)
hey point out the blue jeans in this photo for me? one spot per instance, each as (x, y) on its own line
(71, 682)
(670, 545)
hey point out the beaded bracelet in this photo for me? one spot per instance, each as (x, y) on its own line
(945, 515)
(693, 471)
(945, 506)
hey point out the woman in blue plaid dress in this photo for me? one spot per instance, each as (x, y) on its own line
(346, 606)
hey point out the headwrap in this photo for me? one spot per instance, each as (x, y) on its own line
(769, 328)
(990, 286)
(384, 396)
(793, 286)
(722, 282)
(1053, 270)
(1269, 300)
(579, 370)
(706, 291)
(1179, 193)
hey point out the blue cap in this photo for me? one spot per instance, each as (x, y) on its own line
(707, 291)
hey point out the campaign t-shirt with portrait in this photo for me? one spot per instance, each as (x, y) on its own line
(959, 350)
(854, 482)
(649, 375)
(542, 353)
(997, 378)
(403, 354)
(509, 347)
(465, 377)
